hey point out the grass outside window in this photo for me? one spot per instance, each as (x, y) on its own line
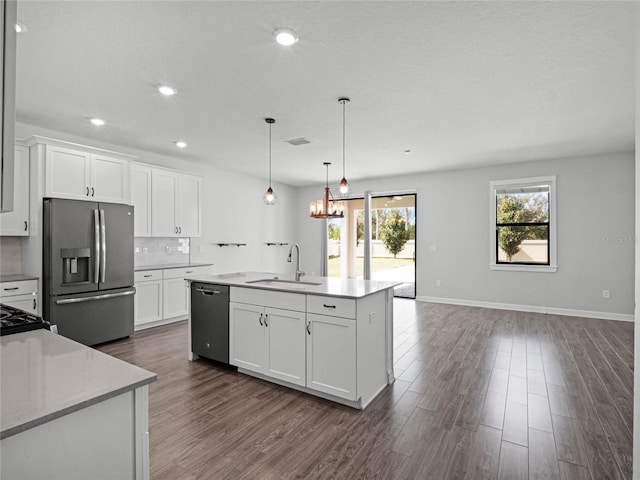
(378, 264)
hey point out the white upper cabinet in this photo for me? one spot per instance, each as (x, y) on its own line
(83, 175)
(163, 201)
(16, 223)
(175, 200)
(109, 179)
(67, 173)
(141, 199)
(188, 205)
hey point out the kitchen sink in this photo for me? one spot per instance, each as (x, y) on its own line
(276, 282)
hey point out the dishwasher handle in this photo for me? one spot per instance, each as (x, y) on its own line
(204, 291)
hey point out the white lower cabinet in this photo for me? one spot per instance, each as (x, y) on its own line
(109, 439)
(268, 340)
(163, 294)
(338, 348)
(174, 297)
(331, 355)
(247, 336)
(148, 299)
(286, 352)
(328, 345)
(21, 294)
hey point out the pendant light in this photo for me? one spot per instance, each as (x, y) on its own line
(270, 196)
(344, 185)
(326, 207)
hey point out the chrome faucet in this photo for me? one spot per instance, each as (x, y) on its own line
(299, 273)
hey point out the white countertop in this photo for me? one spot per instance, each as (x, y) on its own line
(17, 277)
(166, 266)
(335, 287)
(45, 376)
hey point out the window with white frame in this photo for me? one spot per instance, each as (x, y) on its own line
(523, 224)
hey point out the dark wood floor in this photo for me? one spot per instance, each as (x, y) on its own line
(479, 393)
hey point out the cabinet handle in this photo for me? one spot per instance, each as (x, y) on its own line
(35, 305)
(26, 226)
(147, 276)
(12, 288)
(309, 328)
(87, 194)
(93, 191)
(176, 229)
(189, 271)
(179, 229)
(328, 306)
(260, 319)
(266, 317)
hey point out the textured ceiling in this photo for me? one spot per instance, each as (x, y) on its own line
(458, 83)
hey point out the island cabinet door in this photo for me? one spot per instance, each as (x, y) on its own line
(247, 342)
(331, 355)
(286, 345)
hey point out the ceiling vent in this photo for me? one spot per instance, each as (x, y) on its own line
(298, 141)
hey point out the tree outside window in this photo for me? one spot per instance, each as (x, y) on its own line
(521, 217)
(523, 226)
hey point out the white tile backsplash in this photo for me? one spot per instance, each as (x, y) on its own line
(160, 251)
(10, 255)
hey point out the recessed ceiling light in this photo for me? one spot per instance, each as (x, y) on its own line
(166, 90)
(181, 144)
(407, 152)
(285, 36)
(20, 27)
(97, 121)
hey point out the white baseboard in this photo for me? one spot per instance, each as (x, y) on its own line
(623, 317)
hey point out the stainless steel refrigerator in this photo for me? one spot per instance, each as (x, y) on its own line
(88, 269)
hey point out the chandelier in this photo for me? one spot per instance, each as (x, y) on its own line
(326, 207)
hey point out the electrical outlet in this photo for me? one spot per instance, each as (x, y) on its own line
(438, 283)
(606, 294)
(372, 317)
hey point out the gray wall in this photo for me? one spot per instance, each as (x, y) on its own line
(595, 212)
(595, 198)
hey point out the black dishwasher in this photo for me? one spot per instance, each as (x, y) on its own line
(210, 321)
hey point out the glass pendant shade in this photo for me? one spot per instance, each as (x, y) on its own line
(269, 197)
(344, 185)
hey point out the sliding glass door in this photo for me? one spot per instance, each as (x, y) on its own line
(391, 242)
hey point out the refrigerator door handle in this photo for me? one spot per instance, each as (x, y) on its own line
(95, 297)
(103, 247)
(96, 236)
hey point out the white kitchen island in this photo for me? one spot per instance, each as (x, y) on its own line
(325, 336)
(68, 411)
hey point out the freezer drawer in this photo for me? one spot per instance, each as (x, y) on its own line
(93, 318)
(210, 321)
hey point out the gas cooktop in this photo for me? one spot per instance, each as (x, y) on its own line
(14, 320)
